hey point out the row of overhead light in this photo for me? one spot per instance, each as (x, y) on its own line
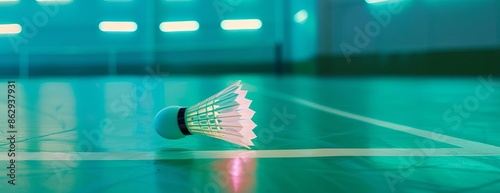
(130, 26)
(172, 26)
(181, 26)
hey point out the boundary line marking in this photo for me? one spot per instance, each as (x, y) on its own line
(394, 126)
(227, 154)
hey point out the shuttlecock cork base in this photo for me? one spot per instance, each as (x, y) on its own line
(225, 115)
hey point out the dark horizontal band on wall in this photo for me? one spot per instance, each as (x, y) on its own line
(435, 63)
(431, 63)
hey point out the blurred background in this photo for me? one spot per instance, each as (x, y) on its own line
(316, 37)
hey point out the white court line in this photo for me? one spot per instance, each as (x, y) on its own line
(227, 154)
(394, 126)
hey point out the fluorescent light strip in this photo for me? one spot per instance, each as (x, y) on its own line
(241, 24)
(118, 26)
(179, 26)
(54, 1)
(375, 1)
(10, 29)
(301, 16)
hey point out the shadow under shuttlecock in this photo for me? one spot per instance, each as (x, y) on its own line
(168, 149)
(174, 175)
(174, 154)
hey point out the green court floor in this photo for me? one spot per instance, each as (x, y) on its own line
(343, 134)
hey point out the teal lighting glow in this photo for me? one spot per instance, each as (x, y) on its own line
(301, 16)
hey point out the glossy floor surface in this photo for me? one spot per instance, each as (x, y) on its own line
(349, 134)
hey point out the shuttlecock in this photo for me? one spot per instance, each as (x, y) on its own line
(225, 115)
